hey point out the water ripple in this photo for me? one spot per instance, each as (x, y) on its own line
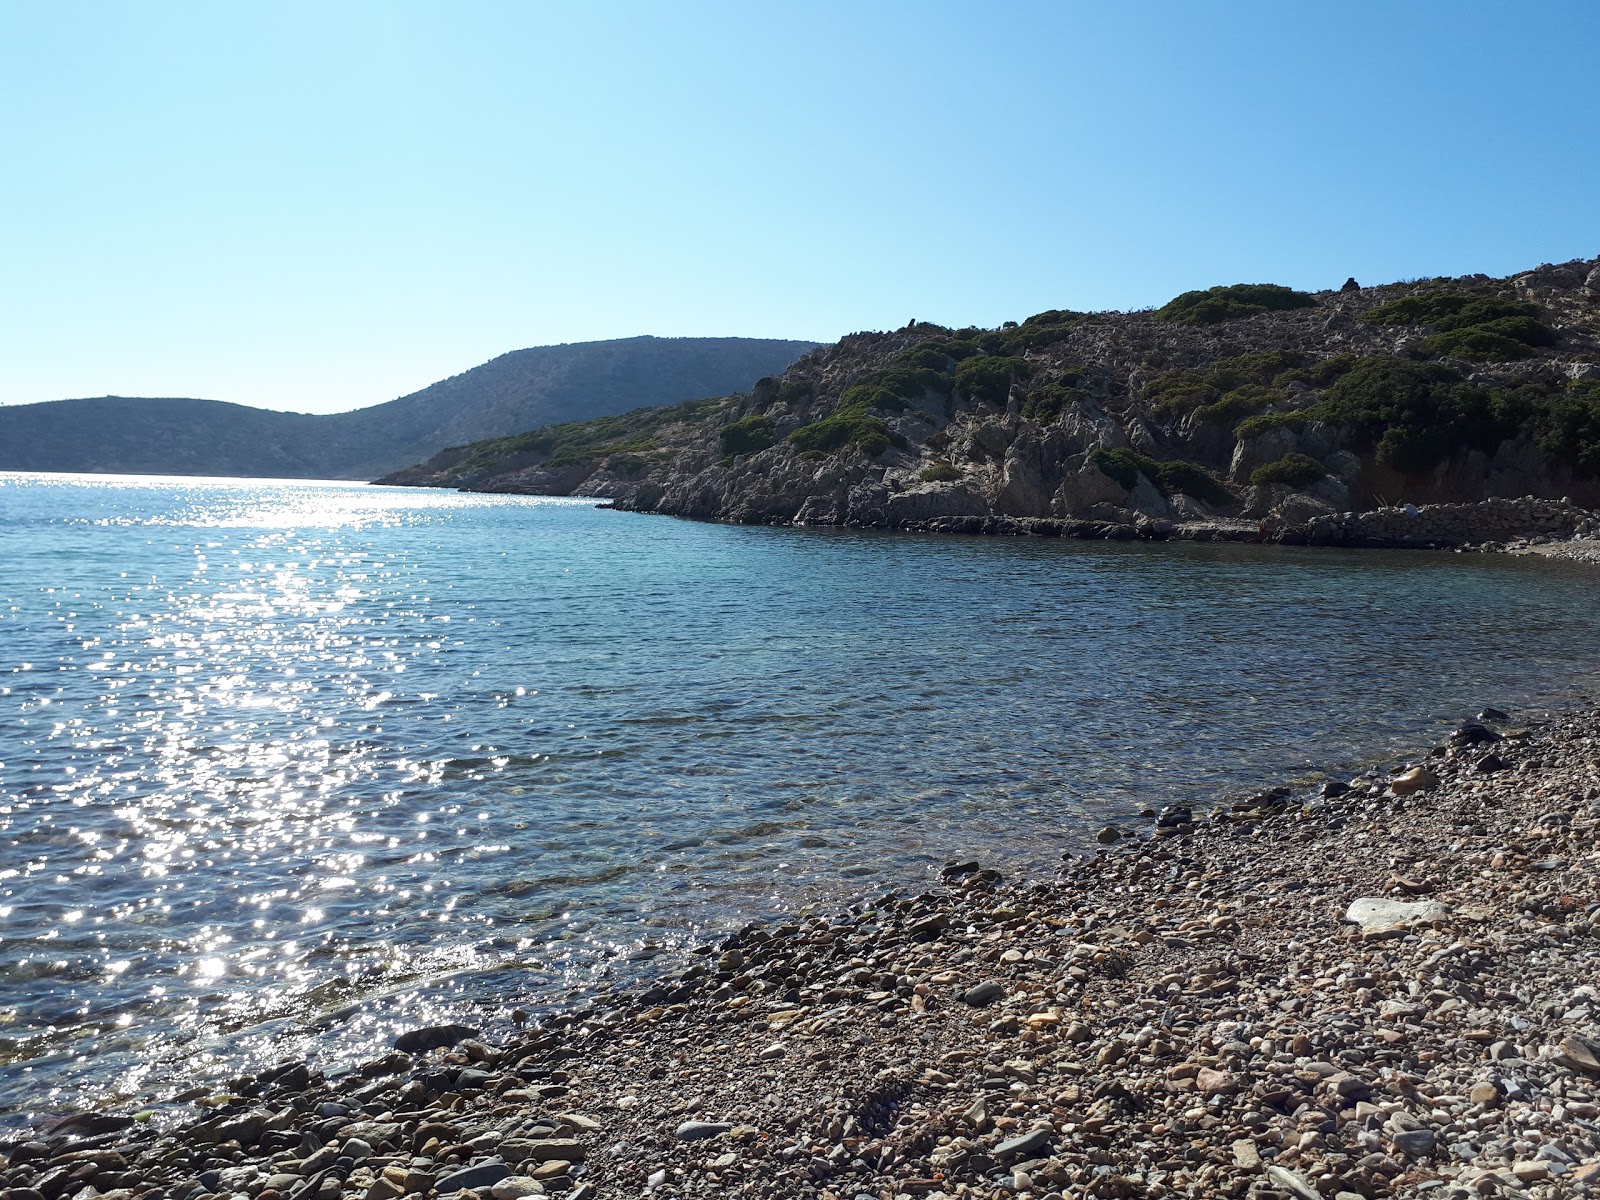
(285, 766)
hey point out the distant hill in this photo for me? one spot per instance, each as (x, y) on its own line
(520, 390)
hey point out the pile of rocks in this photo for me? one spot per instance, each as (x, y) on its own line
(1387, 988)
(1486, 521)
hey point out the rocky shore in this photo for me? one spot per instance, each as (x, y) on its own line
(1387, 988)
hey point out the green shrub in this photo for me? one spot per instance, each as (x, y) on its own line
(851, 425)
(867, 434)
(939, 473)
(862, 396)
(1255, 426)
(1296, 470)
(1419, 308)
(749, 436)
(1476, 328)
(1174, 475)
(988, 378)
(1054, 316)
(1229, 303)
(929, 356)
(1236, 405)
(910, 383)
(1045, 405)
(792, 391)
(1476, 344)
(1414, 415)
(1568, 426)
(1174, 393)
(1318, 374)
(1447, 310)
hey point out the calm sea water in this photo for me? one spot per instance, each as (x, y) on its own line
(285, 767)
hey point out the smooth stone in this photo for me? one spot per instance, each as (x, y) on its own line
(1578, 1053)
(1418, 779)
(1029, 1145)
(1376, 914)
(1292, 1182)
(1415, 1142)
(984, 993)
(699, 1131)
(433, 1037)
(514, 1187)
(473, 1178)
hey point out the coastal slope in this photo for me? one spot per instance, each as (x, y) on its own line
(529, 387)
(1249, 405)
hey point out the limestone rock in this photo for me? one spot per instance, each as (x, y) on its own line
(1376, 914)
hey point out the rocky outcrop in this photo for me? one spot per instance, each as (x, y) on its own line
(1118, 419)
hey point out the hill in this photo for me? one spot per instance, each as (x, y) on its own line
(1248, 404)
(514, 391)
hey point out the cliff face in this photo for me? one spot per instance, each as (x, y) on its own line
(1244, 404)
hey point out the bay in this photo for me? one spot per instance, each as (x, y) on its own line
(286, 767)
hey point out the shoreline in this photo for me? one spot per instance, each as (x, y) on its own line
(1182, 1013)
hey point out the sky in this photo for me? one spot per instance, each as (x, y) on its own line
(317, 207)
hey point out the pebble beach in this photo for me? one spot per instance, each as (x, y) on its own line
(1387, 988)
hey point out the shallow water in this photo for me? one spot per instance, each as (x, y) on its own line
(285, 766)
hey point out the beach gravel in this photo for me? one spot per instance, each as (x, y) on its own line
(1354, 992)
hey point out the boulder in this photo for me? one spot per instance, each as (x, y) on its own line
(1297, 508)
(1080, 491)
(1260, 450)
(1146, 500)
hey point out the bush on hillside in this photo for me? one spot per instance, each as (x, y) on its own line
(1476, 328)
(1568, 426)
(1045, 405)
(1173, 393)
(749, 436)
(939, 473)
(1477, 345)
(988, 378)
(793, 391)
(1238, 404)
(1174, 475)
(928, 356)
(1296, 470)
(1414, 415)
(1229, 303)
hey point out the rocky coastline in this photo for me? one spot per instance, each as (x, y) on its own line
(1308, 417)
(1387, 987)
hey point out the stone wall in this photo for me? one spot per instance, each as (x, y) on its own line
(1494, 520)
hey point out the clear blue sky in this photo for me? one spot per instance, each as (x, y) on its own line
(318, 206)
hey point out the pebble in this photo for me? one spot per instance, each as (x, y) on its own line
(1184, 1016)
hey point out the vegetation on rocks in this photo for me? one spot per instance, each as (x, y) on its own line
(941, 472)
(1476, 328)
(1229, 303)
(1296, 470)
(989, 377)
(583, 441)
(1568, 425)
(1125, 466)
(1230, 389)
(750, 435)
(1411, 414)
(851, 424)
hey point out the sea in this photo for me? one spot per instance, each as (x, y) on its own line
(287, 767)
